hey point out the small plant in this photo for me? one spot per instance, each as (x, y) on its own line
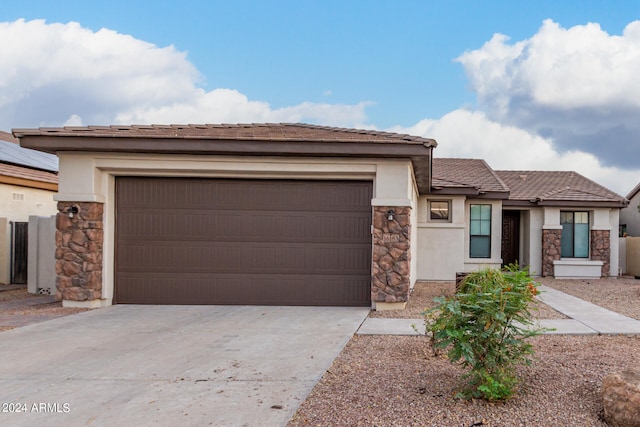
(484, 326)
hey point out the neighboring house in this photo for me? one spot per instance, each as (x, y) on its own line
(630, 215)
(295, 214)
(28, 182)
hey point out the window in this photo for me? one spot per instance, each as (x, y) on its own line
(480, 231)
(575, 234)
(439, 210)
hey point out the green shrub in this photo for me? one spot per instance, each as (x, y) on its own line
(484, 327)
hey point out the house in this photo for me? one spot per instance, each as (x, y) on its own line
(28, 181)
(296, 214)
(630, 215)
(574, 219)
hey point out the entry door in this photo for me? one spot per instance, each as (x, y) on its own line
(510, 237)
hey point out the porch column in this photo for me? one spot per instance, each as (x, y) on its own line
(601, 249)
(391, 259)
(79, 242)
(551, 249)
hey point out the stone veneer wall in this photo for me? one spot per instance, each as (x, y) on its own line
(79, 243)
(390, 279)
(551, 249)
(601, 249)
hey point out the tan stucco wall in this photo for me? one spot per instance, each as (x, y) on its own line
(18, 203)
(631, 216)
(633, 256)
(533, 249)
(440, 250)
(26, 202)
(90, 177)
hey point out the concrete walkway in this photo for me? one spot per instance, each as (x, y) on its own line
(585, 318)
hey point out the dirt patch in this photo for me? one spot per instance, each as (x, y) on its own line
(398, 381)
(20, 308)
(422, 296)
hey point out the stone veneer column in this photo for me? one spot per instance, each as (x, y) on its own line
(551, 249)
(390, 279)
(601, 249)
(79, 243)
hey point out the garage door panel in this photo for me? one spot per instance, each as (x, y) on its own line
(223, 241)
(275, 289)
(247, 226)
(160, 193)
(233, 257)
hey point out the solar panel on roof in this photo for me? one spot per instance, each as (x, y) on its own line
(11, 152)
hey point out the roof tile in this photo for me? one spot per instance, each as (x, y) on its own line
(252, 131)
(466, 173)
(28, 173)
(557, 186)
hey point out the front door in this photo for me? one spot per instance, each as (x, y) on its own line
(510, 237)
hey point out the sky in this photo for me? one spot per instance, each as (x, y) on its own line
(525, 85)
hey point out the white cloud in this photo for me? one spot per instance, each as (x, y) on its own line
(470, 134)
(231, 106)
(558, 100)
(579, 67)
(66, 74)
(577, 87)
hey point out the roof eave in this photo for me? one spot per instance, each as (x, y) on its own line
(568, 203)
(419, 153)
(470, 192)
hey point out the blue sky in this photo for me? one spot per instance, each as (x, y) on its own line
(391, 65)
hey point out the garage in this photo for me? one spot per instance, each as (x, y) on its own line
(242, 241)
(253, 213)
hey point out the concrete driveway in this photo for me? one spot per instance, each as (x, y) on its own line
(169, 365)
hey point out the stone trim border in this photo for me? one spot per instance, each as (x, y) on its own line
(79, 246)
(601, 249)
(551, 249)
(391, 258)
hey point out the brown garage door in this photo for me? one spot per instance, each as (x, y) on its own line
(236, 241)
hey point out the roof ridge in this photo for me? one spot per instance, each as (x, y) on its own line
(496, 176)
(114, 130)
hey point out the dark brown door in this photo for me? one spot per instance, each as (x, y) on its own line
(510, 237)
(19, 252)
(236, 241)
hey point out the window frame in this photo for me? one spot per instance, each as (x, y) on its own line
(575, 235)
(431, 218)
(483, 225)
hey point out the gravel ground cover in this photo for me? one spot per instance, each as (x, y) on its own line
(398, 381)
(422, 298)
(33, 313)
(621, 295)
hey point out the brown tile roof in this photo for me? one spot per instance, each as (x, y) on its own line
(471, 177)
(558, 188)
(28, 177)
(269, 139)
(236, 132)
(6, 136)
